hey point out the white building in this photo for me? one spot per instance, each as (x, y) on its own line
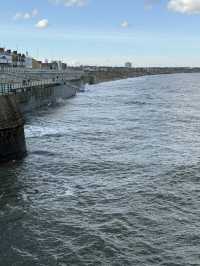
(59, 63)
(5, 57)
(28, 62)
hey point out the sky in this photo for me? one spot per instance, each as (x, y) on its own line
(104, 32)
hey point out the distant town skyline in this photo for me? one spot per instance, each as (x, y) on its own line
(91, 32)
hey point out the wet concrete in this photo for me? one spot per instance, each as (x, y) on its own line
(12, 139)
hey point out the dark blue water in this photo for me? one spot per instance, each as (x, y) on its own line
(112, 178)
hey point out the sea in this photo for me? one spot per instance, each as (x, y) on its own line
(112, 178)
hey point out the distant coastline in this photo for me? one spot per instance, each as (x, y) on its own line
(96, 75)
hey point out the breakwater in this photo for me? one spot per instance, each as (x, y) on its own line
(22, 92)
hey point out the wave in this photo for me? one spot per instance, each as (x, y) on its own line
(33, 131)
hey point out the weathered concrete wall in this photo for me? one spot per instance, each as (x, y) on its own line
(37, 97)
(12, 140)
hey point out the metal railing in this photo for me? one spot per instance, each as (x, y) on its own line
(13, 80)
(39, 71)
(13, 88)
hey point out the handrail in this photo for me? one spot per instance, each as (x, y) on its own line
(35, 71)
(12, 88)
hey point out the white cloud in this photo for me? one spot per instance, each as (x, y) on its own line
(42, 24)
(185, 6)
(125, 24)
(26, 15)
(70, 3)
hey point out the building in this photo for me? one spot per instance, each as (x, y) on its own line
(5, 57)
(28, 62)
(10, 58)
(54, 65)
(61, 65)
(36, 64)
(128, 64)
(46, 66)
(18, 60)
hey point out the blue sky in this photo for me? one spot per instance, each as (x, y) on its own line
(104, 32)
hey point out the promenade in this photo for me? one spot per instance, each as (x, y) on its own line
(14, 80)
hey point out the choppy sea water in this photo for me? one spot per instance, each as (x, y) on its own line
(112, 178)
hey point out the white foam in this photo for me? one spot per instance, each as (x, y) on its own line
(32, 131)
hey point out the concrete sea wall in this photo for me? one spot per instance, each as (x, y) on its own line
(12, 140)
(36, 97)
